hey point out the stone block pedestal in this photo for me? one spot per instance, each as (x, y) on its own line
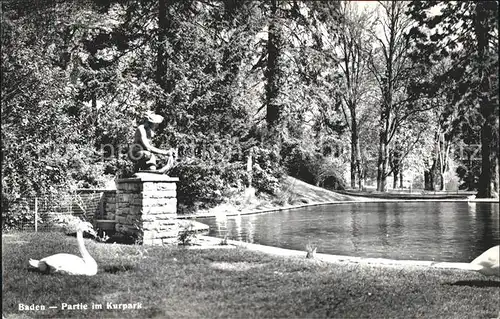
(146, 208)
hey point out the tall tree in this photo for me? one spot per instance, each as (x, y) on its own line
(353, 46)
(485, 23)
(162, 59)
(274, 69)
(293, 41)
(390, 64)
(43, 120)
(466, 33)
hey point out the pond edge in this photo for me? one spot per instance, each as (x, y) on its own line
(364, 200)
(340, 258)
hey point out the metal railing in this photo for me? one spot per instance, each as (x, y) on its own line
(40, 213)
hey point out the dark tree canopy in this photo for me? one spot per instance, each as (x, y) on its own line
(305, 88)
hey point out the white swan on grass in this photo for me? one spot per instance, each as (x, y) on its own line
(487, 263)
(70, 264)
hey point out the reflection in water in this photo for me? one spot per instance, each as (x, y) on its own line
(472, 208)
(382, 226)
(237, 226)
(356, 230)
(220, 224)
(250, 228)
(444, 231)
(486, 225)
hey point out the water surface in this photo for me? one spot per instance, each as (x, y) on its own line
(441, 231)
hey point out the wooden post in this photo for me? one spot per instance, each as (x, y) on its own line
(36, 214)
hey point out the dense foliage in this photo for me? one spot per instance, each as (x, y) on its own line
(305, 88)
(460, 45)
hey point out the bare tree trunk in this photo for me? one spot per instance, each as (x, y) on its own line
(352, 36)
(395, 162)
(432, 176)
(353, 168)
(435, 174)
(359, 168)
(427, 180)
(162, 38)
(470, 182)
(401, 179)
(441, 172)
(488, 181)
(395, 59)
(383, 142)
(381, 164)
(273, 73)
(355, 151)
(386, 113)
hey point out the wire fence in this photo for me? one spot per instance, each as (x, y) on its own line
(41, 213)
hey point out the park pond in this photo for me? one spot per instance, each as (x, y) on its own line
(425, 230)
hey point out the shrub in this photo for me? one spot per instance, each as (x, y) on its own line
(311, 167)
(187, 235)
(17, 215)
(266, 170)
(301, 163)
(298, 162)
(203, 182)
(265, 181)
(330, 174)
(235, 175)
(120, 166)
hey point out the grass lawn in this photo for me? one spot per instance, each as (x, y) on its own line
(233, 283)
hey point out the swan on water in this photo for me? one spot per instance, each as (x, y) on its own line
(487, 263)
(70, 264)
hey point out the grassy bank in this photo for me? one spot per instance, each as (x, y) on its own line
(294, 192)
(410, 194)
(234, 283)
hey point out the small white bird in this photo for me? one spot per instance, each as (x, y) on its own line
(487, 263)
(70, 264)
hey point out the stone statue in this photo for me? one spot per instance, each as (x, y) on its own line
(142, 152)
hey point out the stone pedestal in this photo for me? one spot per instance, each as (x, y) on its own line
(146, 208)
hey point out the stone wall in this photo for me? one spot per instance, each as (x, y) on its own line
(97, 203)
(109, 205)
(146, 208)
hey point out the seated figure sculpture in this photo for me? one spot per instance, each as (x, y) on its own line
(142, 152)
